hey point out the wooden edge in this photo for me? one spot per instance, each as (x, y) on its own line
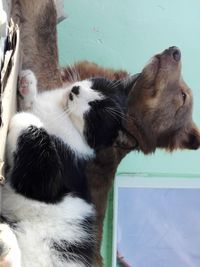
(9, 99)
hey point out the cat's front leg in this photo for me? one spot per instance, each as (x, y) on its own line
(27, 89)
(35, 165)
(10, 255)
(18, 124)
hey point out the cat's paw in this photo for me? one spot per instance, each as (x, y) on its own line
(27, 89)
(10, 255)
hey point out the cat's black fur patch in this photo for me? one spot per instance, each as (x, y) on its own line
(73, 169)
(45, 168)
(37, 169)
(116, 91)
(103, 121)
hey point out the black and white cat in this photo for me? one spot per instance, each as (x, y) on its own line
(46, 208)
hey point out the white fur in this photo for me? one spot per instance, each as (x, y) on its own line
(11, 256)
(80, 103)
(60, 115)
(40, 223)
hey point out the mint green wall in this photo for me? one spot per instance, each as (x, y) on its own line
(125, 34)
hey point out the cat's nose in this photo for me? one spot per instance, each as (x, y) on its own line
(76, 90)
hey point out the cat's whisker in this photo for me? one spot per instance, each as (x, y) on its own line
(115, 83)
(112, 114)
(70, 74)
(115, 103)
(74, 74)
(116, 116)
(117, 113)
(77, 73)
(37, 109)
(73, 255)
(57, 117)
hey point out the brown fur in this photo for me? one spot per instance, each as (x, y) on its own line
(85, 69)
(151, 117)
(37, 20)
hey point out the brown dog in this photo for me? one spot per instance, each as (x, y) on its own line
(159, 115)
(159, 105)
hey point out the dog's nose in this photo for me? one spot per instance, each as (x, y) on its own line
(76, 90)
(175, 53)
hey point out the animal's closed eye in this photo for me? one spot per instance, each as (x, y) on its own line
(184, 96)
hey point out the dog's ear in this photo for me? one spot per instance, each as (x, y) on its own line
(188, 138)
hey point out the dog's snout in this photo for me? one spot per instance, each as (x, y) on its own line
(76, 90)
(175, 53)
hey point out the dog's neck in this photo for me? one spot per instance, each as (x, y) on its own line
(128, 140)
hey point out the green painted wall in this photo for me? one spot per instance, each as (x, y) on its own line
(125, 34)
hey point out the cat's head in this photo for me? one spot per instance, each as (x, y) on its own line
(160, 106)
(96, 110)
